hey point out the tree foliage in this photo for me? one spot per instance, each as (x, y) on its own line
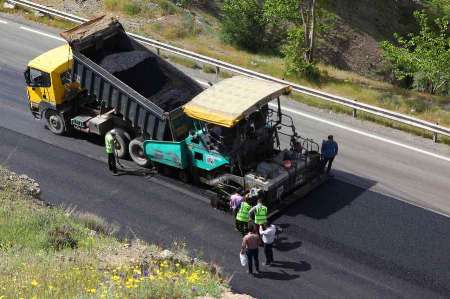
(243, 23)
(437, 8)
(260, 24)
(424, 56)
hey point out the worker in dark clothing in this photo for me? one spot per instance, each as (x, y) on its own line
(249, 246)
(329, 150)
(109, 147)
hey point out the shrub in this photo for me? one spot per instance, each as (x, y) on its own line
(295, 63)
(62, 237)
(167, 7)
(131, 8)
(111, 4)
(209, 69)
(96, 223)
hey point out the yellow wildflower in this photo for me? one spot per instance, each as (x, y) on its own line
(34, 283)
(50, 287)
(136, 271)
(92, 291)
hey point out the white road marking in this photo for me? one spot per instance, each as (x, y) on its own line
(42, 33)
(3, 22)
(353, 130)
(364, 133)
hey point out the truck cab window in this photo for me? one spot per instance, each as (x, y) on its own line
(39, 78)
(65, 77)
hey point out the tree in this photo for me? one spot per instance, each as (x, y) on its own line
(302, 15)
(243, 23)
(424, 56)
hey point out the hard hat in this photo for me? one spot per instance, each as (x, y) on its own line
(113, 132)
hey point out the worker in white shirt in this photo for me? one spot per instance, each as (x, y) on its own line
(267, 232)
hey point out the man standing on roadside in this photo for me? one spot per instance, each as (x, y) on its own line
(329, 150)
(267, 232)
(109, 147)
(249, 245)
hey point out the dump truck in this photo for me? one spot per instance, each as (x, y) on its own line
(230, 137)
(102, 79)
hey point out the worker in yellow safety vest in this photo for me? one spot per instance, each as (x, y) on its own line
(260, 211)
(109, 147)
(243, 216)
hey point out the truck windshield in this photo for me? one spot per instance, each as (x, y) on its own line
(39, 78)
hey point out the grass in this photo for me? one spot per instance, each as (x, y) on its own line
(47, 252)
(182, 61)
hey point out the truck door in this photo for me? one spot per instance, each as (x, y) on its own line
(39, 84)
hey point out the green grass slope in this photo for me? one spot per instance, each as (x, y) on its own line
(47, 252)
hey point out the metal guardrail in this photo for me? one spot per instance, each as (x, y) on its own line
(355, 105)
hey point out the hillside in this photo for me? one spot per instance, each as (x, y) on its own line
(353, 43)
(49, 252)
(356, 27)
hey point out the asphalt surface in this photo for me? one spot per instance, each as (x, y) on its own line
(355, 237)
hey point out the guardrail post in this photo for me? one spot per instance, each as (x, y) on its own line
(217, 73)
(354, 112)
(435, 135)
(158, 51)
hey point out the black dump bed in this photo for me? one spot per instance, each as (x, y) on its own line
(124, 74)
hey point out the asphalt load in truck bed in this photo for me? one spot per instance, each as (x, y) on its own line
(137, 69)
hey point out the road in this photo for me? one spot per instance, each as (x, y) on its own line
(378, 229)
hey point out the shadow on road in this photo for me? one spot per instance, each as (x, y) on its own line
(282, 275)
(297, 267)
(332, 196)
(281, 244)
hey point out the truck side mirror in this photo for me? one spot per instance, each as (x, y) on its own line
(26, 74)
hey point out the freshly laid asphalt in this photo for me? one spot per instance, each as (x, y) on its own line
(355, 237)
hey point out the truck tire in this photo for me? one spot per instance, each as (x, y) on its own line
(136, 150)
(121, 143)
(55, 122)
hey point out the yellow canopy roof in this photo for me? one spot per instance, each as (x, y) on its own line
(230, 100)
(52, 59)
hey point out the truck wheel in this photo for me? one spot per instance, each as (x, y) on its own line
(136, 150)
(55, 122)
(121, 143)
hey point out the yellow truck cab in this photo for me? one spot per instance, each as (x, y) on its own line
(45, 77)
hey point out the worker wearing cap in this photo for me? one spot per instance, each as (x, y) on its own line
(260, 211)
(243, 216)
(109, 147)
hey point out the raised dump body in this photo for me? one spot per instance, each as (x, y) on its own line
(123, 74)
